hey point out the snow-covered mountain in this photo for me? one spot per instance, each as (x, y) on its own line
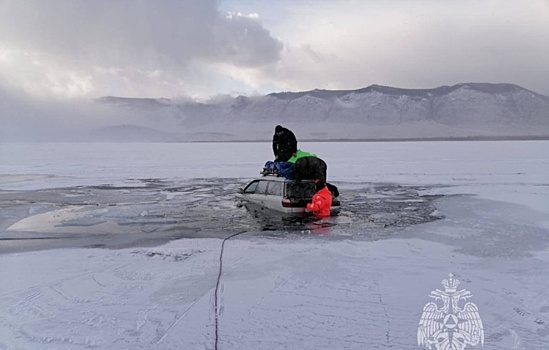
(470, 110)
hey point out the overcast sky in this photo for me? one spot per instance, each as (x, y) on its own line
(200, 48)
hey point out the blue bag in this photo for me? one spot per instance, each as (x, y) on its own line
(285, 169)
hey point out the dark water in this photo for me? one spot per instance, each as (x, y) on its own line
(154, 211)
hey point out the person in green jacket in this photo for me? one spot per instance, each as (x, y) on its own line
(310, 168)
(300, 154)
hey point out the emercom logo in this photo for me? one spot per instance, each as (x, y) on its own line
(444, 325)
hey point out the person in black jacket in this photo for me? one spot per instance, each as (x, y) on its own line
(284, 144)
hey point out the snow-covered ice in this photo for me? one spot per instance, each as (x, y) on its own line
(350, 287)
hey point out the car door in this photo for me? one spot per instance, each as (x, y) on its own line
(260, 195)
(273, 199)
(250, 193)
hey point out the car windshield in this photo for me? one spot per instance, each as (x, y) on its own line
(302, 190)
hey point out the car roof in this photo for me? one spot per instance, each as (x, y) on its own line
(277, 178)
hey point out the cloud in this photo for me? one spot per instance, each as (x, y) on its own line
(242, 41)
(351, 44)
(142, 48)
(73, 47)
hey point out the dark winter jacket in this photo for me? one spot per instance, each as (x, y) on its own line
(284, 145)
(321, 203)
(310, 168)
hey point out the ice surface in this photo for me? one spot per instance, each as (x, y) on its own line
(361, 290)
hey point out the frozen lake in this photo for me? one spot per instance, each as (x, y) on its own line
(412, 213)
(121, 195)
(449, 163)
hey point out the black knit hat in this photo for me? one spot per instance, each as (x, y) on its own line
(278, 129)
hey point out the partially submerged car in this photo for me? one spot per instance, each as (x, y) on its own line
(283, 195)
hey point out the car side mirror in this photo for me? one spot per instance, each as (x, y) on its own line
(240, 190)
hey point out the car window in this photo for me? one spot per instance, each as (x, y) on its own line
(275, 188)
(261, 187)
(302, 190)
(251, 187)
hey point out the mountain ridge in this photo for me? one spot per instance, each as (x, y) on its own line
(462, 110)
(441, 90)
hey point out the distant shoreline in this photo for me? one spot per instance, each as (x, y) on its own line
(411, 139)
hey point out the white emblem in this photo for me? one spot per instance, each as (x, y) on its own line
(450, 327)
